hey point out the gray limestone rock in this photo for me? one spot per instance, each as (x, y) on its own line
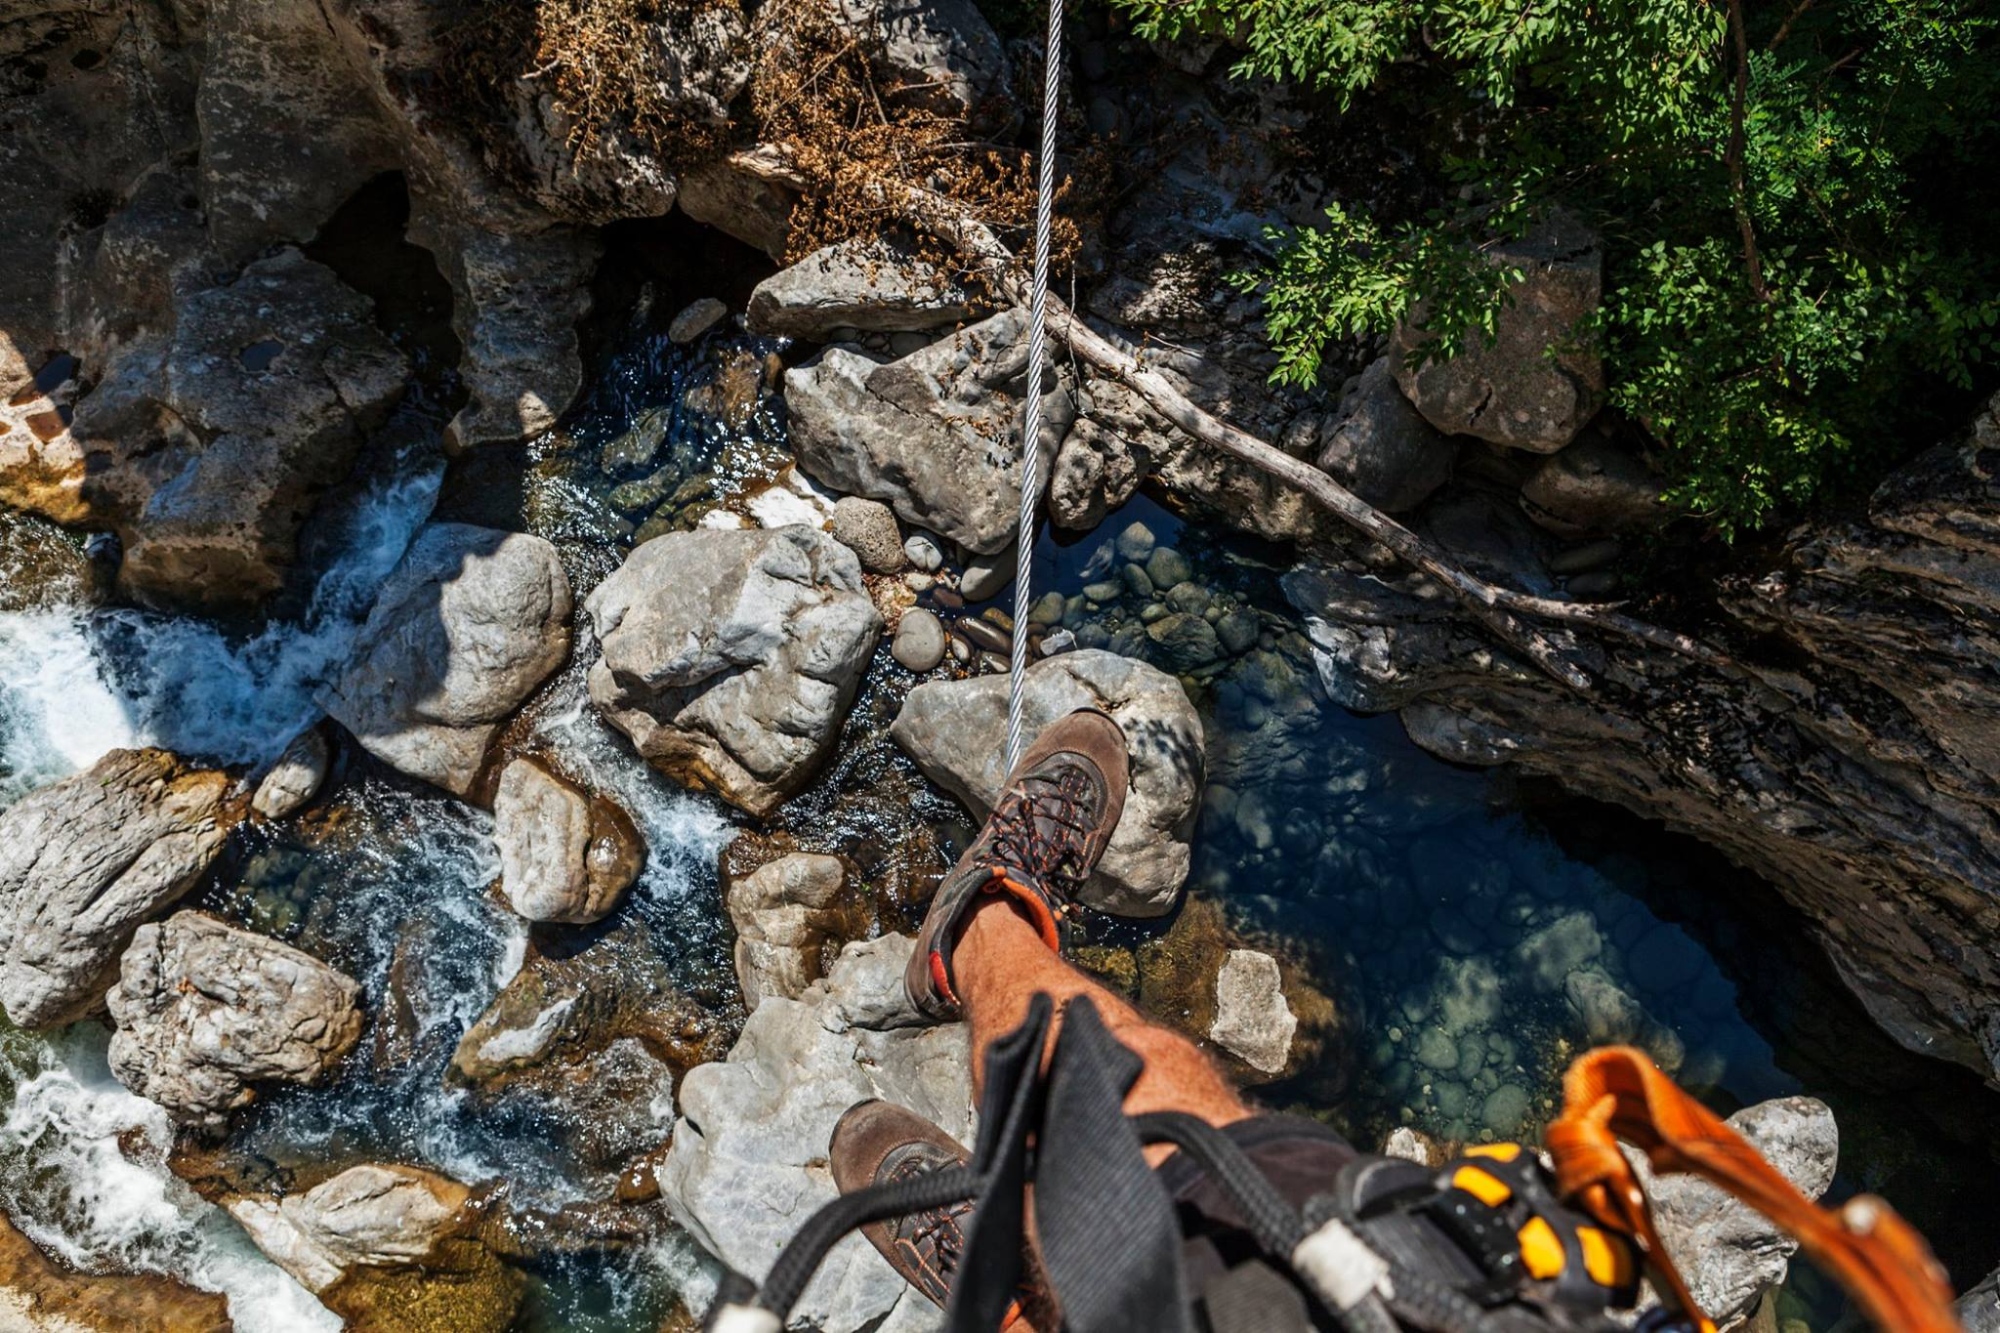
(1531, 389)
(295, 778)
(1253, 1019)
(872, 286)
(939, 54)
(206, 1011)
(467, 626)
(1381, 448)
(376, 1215)
(730, 657)
(565, 854)
(782, 917)
(934, 435)
(920, 640)
(1730, 1253)
(956, 731)
(84, 861)
(748, 1156)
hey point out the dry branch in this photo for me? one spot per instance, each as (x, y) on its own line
(1502, 610)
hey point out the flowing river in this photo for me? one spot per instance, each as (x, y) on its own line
(1445, 914)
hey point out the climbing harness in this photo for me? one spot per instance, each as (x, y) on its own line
(1031, 424)
(1495, 1241)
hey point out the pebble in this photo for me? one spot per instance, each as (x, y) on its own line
(1048, 610)
(908, 341)
(994, 663)
(1190, 597)
(1238, 631)
(697, 319)
(1597, 584)
(1136, 542)
(1136, 581)
(918, 581)
(987, 576)
(947, 598)
(923, 552)
(998, 618)
(961, 651)
(920, 640)
(1103, 592)
(1151, 612)
(868, 528)
(982, 635)
(1166, 567)
(1058, 641)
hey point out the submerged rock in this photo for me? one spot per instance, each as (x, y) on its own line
(462, 632)
(388, 1247)
(1534, 388)
(920, 640)
(205, 1011)
(84, 861)
(872, 286)
(1730, 1253)
(39, 1295)
(934, 435)
(784, 913)
(295, 779)
(748, 1158)
(565, 854)
(956, 731)
(730, 658)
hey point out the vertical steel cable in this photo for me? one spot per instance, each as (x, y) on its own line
(1031, 424)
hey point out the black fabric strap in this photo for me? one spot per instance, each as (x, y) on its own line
(989, 1272)
(1109, 1239)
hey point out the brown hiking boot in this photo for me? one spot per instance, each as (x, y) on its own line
(1052, 823)
(877, 1143)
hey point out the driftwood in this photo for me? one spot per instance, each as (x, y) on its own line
(1504, 611)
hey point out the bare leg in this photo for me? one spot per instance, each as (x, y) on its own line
(1000, 964)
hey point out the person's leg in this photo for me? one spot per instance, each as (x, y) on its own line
(1001, 963)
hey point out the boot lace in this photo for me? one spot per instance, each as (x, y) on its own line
(937, 1230)
(1044, 826)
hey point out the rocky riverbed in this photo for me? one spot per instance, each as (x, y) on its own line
(493, 664)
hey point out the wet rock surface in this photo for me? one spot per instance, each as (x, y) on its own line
(565, 854)
(730, 657)
(956, 731)
(295, 779)
(748, 1156)
(205, 1012)
(1853, 772)
(84, 861)
(462, 632)
(39, 1295)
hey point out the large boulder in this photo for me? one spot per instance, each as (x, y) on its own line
(1381, 448)
(565, 854)
(934, 435)
(205, 1011)
(387, 1246)
(784, 912)
(956, 730)
(867, 285)
(1539, 382)
(730, 657)
(207, 453)
(1595, 486)
(1730, 1253)
(462, 632)
(748, 1157)
(84, 861)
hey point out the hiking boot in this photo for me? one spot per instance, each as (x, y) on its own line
(876, 1143)
(1051, 824)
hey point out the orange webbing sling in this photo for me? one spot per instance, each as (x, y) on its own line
(1617, 1093)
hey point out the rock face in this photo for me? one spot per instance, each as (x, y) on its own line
(874, 287)
(565, 855)
(933, 435)
(783, 915)
(376, 1215)
(1516, 392)
(204, 1011)
(462, 632)
(206, 456)
(1729, 1253)
(84, 861)
(748, 1157)
(1381, 448)
(939, 54)
(730, 658)
(1851, 759)
(956, 731)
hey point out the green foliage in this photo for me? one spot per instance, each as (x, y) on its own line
(1859, 156)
